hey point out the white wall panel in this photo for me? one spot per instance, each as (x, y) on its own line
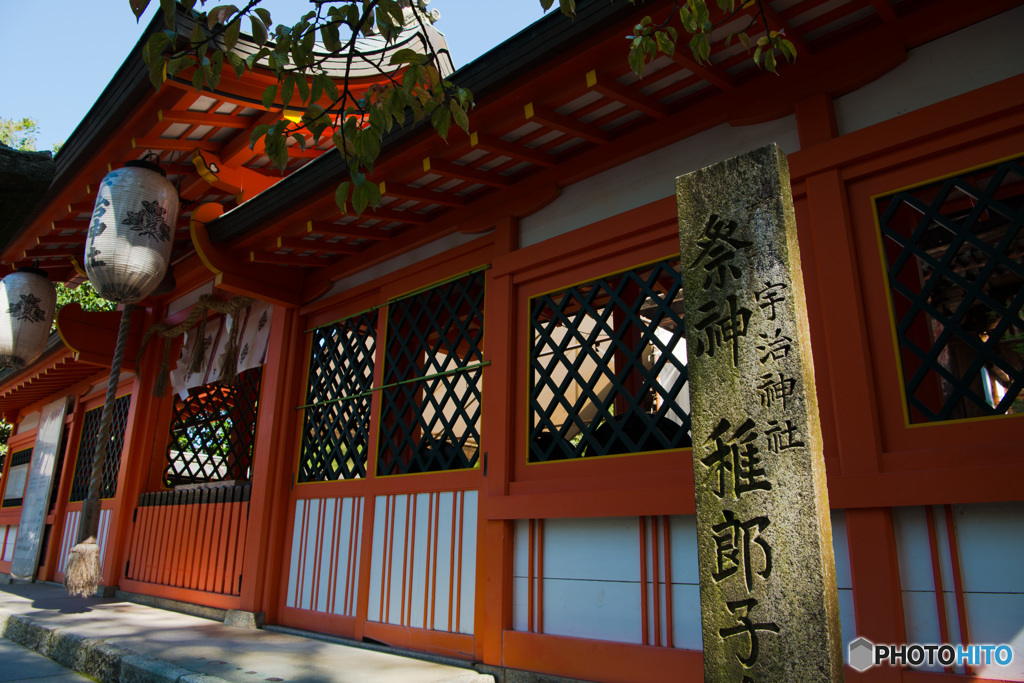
(604, 610)
(323, 568)
(423, 569)
(8, 538)
(71, 535)
(650, 177)
(976, 56)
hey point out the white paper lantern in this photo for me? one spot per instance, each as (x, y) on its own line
(27, 302)
(132, 232)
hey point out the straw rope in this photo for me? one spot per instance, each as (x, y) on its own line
(202, 307)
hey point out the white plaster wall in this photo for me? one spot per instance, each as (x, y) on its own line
(401, 261)
(592, 579)
(650, 177)
(976, 56)
(417, 568)
(990, 538)
(29, 422)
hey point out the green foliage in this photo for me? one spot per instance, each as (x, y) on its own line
(19, 134)
(410, 88)
(84, 295)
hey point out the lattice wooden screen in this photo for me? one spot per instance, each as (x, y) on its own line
(608, 367)
(336, 431)
(87, 449)
(433, 369)
(213, 432)
(956, 277)
(22, 457)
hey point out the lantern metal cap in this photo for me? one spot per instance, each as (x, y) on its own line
(148, 165)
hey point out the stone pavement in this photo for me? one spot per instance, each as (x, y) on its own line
(109, 639)
(19, 663)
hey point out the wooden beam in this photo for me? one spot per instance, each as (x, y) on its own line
(465, 173)
(566, 124)
(611, 88)
(174, 144)
(287, 260)
(884, 9)
(91, 336)
(496, 145)
(720, 78)
(70, 224)
(236, 152)
(47, 240)
(267, 283)
(301, 244)
(57, 252)
(197, 118)
(336, 230)
(420, 195)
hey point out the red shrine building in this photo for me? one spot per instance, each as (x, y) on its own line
(460, 420)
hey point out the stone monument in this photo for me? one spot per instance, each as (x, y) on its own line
(769, 608)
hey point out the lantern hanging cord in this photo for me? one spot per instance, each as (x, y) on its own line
(82, 569)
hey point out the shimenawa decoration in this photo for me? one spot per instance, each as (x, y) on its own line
(27, 303)
(126, 255)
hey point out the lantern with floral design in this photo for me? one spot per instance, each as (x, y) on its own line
(27, 302)
(131, 232)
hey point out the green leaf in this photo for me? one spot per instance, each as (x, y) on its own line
(138, 7)
(264, 16)
(198, 78)
(237, 63)
(330, 35)
(665, 42)
(568, 7)
(215, 68)
(460, 115)
(379, 120)
(300, 140)
(546, 4)
(406, 56)
(330, 88)
(170, 12)
(258, 132)
(198, 34)
(259, 31)
(231, 33)
(269, 94)
(288, 89)
(303, 86)
(155, 46)
(441, 120)
(341, 195)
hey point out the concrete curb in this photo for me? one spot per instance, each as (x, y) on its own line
(94, 657)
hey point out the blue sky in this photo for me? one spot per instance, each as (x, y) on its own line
(61, 54)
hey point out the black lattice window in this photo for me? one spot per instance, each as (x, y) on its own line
(213, 432)
(608, 367)
(433, 371)
(16, 476)
(87, 450)
(336, 431)
(956, 277)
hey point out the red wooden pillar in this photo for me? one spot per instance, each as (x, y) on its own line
(877, 595)
(271, 480)
(850, 373)
(494, 561)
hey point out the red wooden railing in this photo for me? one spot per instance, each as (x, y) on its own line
(190, 539)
